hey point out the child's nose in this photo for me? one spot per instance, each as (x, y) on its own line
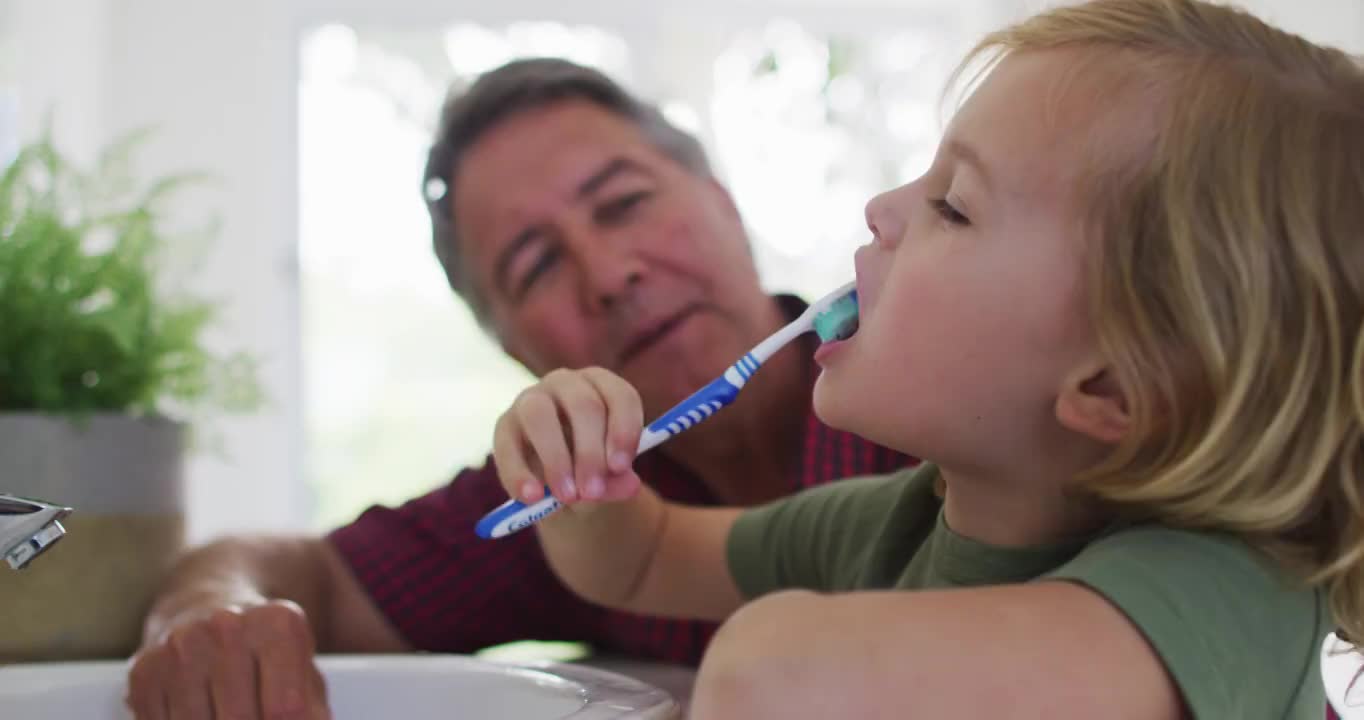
(882, 219)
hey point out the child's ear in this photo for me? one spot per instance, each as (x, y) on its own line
(1091, 403)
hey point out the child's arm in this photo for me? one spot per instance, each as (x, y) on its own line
(616, 543)
(1052, 649)
(1145, 622)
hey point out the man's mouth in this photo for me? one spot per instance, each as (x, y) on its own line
(651, 334)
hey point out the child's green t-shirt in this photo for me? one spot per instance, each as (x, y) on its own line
(1238, 636)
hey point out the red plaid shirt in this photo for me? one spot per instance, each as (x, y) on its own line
(447, 590)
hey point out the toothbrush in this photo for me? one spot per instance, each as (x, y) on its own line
(832, 317)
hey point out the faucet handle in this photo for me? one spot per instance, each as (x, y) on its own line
(28, 528)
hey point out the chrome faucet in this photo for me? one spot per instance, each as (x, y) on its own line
(27, 528)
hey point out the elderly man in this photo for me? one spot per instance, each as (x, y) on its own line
(583, 229)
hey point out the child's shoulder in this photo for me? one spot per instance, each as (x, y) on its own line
(818, 538)
(867, 500)
(861, 501)
(1151, 553)
(1222, 615)
(1178, 547)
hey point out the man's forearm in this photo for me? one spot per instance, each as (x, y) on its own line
(242, 572)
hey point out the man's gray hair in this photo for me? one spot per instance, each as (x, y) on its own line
(504, 92)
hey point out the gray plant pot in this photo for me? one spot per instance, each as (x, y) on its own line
(86, 597)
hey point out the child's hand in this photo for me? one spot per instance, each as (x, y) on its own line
(576, 431)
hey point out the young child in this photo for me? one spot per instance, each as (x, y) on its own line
(1127, 300)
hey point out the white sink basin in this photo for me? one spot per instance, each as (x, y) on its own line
(360, 687)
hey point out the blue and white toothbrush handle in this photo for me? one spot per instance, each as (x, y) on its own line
(514, 515)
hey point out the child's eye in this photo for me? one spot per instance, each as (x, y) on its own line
(948, 213)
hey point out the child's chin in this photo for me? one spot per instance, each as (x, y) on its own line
(830, 407)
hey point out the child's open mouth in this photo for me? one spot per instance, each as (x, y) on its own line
(828, 348)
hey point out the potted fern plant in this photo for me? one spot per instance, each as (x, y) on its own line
(103, 373)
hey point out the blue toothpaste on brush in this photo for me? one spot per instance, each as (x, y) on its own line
(832, 317)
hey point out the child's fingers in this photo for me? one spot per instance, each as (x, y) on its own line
(579, 429)
(624, 418)
(621, 486)
(509, 455)
(584, 411)
(538, 415)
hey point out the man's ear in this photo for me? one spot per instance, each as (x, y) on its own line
(1091, 403)
(726, 197)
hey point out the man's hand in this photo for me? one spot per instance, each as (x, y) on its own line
(250, 662)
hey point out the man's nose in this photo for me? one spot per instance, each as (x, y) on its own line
(609, 275)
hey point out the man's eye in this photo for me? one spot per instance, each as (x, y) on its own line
(618, 208)
(947, 212)
(537, 269)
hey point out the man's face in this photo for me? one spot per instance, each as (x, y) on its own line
(592, 247)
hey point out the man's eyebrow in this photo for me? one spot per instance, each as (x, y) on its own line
(969, 156)
(504, 258)
(617, 165)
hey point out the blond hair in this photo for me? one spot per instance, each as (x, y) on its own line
(1227, 278)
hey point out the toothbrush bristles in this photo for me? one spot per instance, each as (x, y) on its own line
(840, 320)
